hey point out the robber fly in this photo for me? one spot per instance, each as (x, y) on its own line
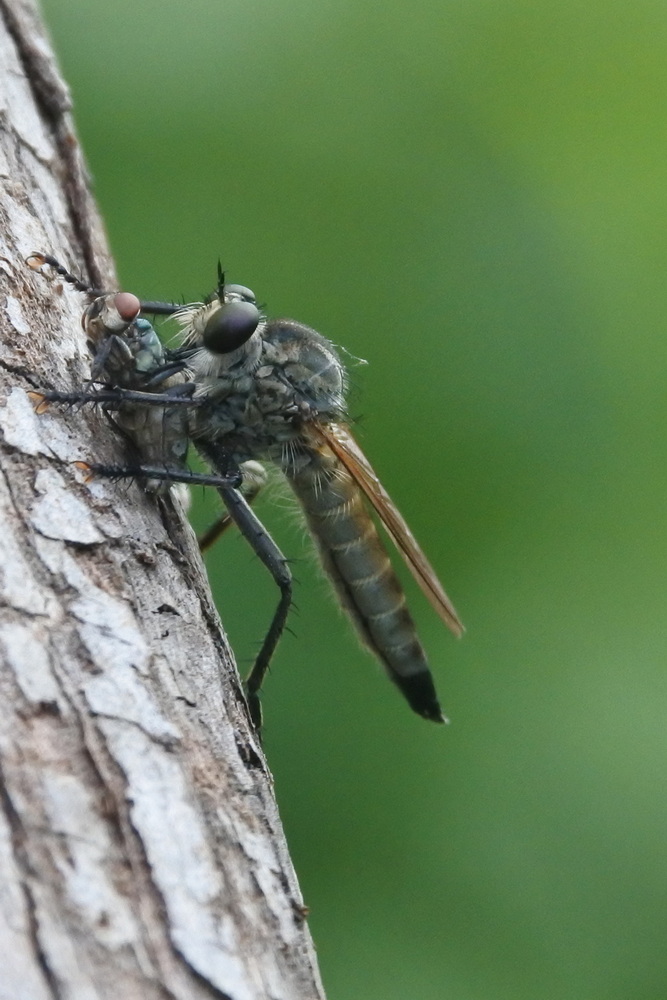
(245, 390)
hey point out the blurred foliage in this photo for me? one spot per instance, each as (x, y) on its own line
(473, 197)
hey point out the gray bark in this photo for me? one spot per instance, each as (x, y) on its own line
(141, 852)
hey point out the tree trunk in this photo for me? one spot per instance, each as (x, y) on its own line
(141, 853)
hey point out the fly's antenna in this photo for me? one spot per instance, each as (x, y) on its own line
(221, 280)
(36, 261)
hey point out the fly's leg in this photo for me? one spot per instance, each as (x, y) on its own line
(263, 546)
(181, 395)
(163, 474)
(268, 552)
(217, 529)
(36, 261)
(254, 479)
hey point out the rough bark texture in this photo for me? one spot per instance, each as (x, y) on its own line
(141, 853)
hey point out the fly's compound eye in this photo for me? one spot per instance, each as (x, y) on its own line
(230, 326)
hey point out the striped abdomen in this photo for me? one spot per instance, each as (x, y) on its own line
(357, 563)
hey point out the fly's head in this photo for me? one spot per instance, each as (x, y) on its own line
(264, 379)
(225, 331)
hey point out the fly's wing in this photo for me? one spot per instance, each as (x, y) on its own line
(343, 445)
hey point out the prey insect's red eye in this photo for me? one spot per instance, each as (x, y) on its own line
(128, 306)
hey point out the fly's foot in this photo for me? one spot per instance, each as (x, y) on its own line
(40, 401)
(86, 470)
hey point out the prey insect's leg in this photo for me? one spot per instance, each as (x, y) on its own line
(254, 479)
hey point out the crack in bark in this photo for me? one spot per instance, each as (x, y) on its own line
(22, 861)
(114, 804)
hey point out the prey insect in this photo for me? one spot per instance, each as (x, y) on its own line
(246, 390)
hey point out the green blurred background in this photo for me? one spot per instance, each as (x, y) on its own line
(473, 197)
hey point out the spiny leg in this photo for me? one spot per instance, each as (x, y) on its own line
(268, 552)
(266, 549)
(227, 481)
(182, 395)
(37, 260)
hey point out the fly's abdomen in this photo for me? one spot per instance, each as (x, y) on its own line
(357, 563)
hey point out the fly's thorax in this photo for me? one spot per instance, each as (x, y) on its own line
(258, 405)
(308, 363)
(249, 426)
(288, 366)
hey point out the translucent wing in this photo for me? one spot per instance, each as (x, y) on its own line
(341, 442)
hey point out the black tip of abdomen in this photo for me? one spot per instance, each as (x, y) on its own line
(419, 691)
